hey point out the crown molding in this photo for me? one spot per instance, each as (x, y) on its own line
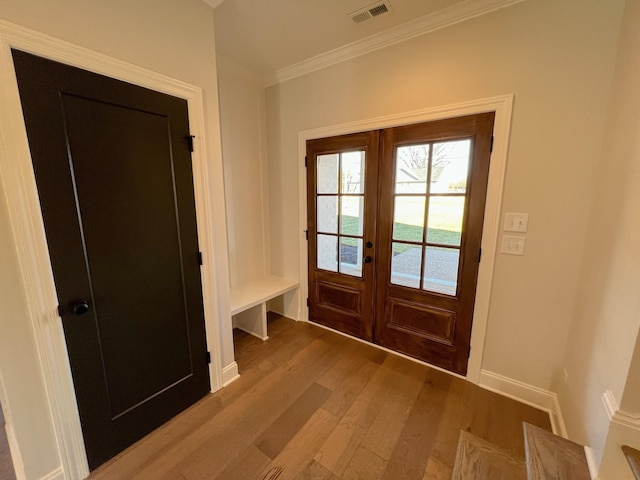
(420, 26)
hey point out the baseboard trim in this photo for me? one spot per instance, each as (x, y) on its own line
(230, 374)
(57, 474)
(622, 418)
(591, 463)
(278, 312)
(627, 420)
(610, 403)
(527, 394)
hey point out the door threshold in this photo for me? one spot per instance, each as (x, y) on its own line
(385, 349)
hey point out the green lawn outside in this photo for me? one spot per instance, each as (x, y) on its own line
(403, 231)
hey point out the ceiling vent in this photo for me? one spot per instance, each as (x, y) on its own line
(367, 13)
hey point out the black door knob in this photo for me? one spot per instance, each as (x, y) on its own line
(368, 244)
(80, 307)
(367, 259)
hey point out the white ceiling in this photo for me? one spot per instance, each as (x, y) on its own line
(269, 35)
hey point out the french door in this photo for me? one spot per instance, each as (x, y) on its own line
(342, 200)
(395, 225)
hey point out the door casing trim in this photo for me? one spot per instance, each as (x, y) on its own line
(503, 107)
(21, 195)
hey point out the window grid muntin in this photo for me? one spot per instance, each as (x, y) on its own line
(340, 194)
(428, 195)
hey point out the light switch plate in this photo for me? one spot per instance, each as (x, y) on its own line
(513, 245)
(516, 222)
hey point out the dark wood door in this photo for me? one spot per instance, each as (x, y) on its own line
(113, 171)
(419, 228)
(433, 187)
(342, 197)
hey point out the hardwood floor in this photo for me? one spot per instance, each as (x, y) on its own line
(312, 404)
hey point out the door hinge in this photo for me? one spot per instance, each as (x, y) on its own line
(305, 161)
(60, 312)
(200, 258)
(306, 234)
(190, 141)
(208, 357)
(308, 303)
(491, 147)
(479, 254)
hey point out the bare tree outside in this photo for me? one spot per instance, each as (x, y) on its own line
(416, 157)
(352, 170)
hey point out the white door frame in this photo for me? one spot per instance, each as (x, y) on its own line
(502, 106)
(17, 176)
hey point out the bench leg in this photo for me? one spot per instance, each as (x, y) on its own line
(253, 321)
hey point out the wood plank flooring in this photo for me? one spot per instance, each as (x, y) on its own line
(314, 405)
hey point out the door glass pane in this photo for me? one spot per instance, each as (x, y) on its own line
(327, 173)
(405, 264)
(351, 256)
(353, 172)
(327, 215)
(445, 220)
(450, 166)
(352, 215)
(411, 168)
(327, 252)
(441, 270)
(408, 218)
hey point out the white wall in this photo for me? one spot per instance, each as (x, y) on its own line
(242, 119)
(630, 402)
(557, 58)
(169, 37)
(606, 319)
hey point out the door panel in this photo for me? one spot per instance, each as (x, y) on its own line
(423, 203)
(435, 175)
(113, 172)
(342, 193)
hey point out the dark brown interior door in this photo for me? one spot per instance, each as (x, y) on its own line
(433, 186)
(418, 226)
(113, 171)
(342, 197)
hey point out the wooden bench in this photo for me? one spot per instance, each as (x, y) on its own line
(633, 457)
(249, 302)
(551, 457)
